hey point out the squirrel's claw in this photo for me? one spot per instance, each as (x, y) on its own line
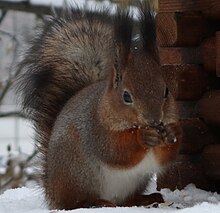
(151, 137)
(172, 133)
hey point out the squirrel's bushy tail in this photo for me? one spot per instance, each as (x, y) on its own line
(70, 53)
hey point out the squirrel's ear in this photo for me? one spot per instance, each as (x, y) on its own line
(148, 28)
(123, 27)
(116, 71)
(117, 78)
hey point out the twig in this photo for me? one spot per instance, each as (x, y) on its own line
(31, 156)
(11, 78)
(11, 179)
(9, 114)
(13, 37)
(8, 84)
(4, 12)
(2, 187)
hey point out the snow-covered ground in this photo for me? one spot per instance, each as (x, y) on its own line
(31, 200)
(188, 200)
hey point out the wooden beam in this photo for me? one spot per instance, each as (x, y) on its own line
(209, 54)
(187, 169)
(211, 161)
(209, 107)
(210, 8)
(187, 109)
(180, 55)
(179, 29)
(218, 53)
(196, 135)
(185, 82)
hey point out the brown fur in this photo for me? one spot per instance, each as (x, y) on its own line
(96, 97)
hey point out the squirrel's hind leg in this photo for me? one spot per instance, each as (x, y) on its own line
(136, 200)
(144, 200)
(97, 203)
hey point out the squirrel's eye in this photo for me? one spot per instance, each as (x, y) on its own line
(166, 92)
(127, 97)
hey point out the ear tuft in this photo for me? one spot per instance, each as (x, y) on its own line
(123, 27)
(148, 28)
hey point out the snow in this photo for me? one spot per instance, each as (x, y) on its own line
(188, 200)
(48, 2)
(31, 200)
(59, 3)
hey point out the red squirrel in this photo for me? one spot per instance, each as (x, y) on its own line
(104, 118)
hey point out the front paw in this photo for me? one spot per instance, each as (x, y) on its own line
(150, 137)
(172, 133)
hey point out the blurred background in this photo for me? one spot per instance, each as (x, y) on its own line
(18, 21)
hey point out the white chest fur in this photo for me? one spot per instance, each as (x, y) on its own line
(118, 184)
